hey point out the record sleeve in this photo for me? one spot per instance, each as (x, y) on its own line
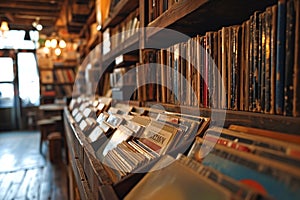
(272, 178)
(121, 134)
(95, 134)
(175, 181)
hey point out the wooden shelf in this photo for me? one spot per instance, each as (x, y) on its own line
(91, 19)
(89, 171)
(120, 11)
(188, 17)
(94, 40)
(285, 124)
(131, 44)
(64, 67)
(67, 83)
(45, 69)
(77, 167)
(61, 82)
(200, 16)
(176, 12)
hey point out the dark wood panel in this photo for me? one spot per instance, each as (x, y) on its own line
(58, 2)
(176, 12)
(90, 20)
(130, 44)
(29, 6)
(200, 16)
(121, 10)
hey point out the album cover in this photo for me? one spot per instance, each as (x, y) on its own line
(270, 177)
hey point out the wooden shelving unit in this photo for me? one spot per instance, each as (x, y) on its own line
(59, 82)
(123, 8)
(90, 20)
(187, 17)
(198, 17)
(74, 146)
(132, 44)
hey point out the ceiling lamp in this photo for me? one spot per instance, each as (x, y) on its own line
(62, 44)
(48, 43)
(57, 51)
(46, 50)
(53, 43)
(4, 28)
(39, 27)
(36, 24)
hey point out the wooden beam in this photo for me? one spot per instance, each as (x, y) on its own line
(37, 7)
(10, 17)
(29, 21)
(49, 2)
(42, 18)
(29, 12)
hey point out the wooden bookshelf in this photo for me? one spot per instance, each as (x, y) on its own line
(90, 20)
(189, 17)
(59, 82)
(120, 11)
(198, 17)
(91, 176)
(74, 145)
(132, 44)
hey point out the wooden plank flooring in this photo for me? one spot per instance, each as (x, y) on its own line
(25, 173)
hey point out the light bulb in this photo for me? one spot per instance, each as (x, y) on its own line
(57, 51)
(34, 24)
(62, 44)
(53, 43)
(48, 44)
(39, 27)
(46, 50)
(4, 26)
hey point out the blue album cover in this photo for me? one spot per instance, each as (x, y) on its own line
(277, 187)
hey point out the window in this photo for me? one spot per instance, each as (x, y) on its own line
(28, 79)
(6, 82)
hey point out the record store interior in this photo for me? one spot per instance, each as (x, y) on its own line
(150, 99)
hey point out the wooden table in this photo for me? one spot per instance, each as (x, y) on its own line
(52, 108)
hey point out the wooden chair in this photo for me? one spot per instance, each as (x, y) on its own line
(46, 126)
(55, 141)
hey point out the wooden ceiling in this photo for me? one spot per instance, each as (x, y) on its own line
(52, 14)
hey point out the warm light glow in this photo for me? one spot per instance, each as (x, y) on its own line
(4, 26)
(34, 24)
(53, 43)
(74, 46)
(46, 50)
(62, 44)
(39, 27)
(48, 44)
(57, 51)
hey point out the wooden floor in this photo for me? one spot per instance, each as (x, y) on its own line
(25, 173)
